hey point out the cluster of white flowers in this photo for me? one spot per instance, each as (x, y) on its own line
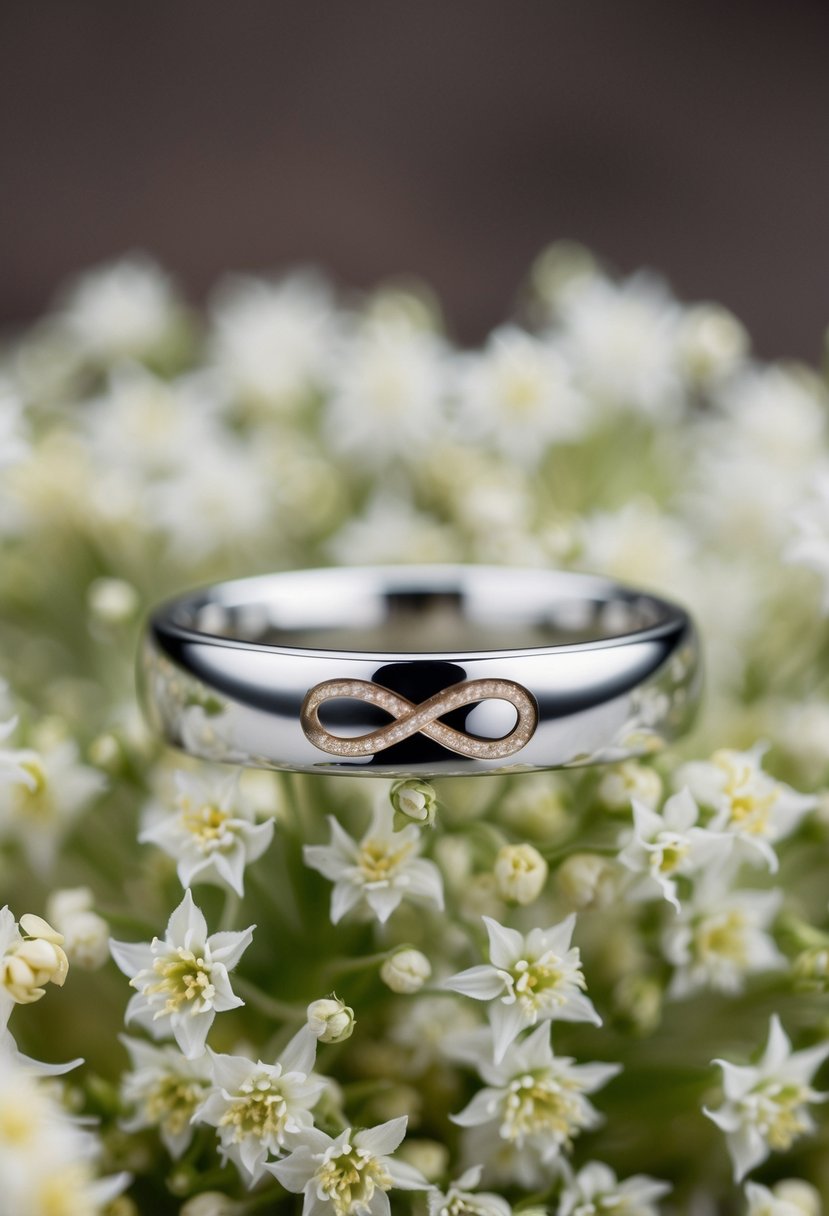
(413, 968)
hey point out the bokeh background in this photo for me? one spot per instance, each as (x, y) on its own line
(447, 140)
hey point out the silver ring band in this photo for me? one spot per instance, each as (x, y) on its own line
(419, 671)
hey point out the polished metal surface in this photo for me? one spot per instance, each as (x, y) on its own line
(419, 670)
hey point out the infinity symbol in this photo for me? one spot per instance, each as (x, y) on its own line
(412, 719)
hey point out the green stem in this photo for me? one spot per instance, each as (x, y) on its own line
(269, 1005)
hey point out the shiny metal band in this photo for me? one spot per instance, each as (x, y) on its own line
(419, 670)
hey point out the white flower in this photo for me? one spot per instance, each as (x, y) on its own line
(622, 340)
(520, 872)
(182, 980)
(808, 544)
(349, 1175)
(220, 496)
(766, 1105)
(622, 783)
(330, 1020)
(750, 804)
(211, 832)
(518, 394)
(259, 1109)
(381, 870)
(534, 1097)
(721, 936)
(530, 979)
(639, 543)
(663, 846)
(588, 880)
(40, 806)
(713, 343)
(791, 1197)
(387, 399)
(460, 1200)
(126, 308)
(85, 934)
(272, 340)
(164, 1089)
(595, 1190)
(143, 427)
(28, 960)
(14, 445)
(405, 970)
(390, 527)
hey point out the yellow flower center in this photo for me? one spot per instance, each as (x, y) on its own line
(350, 1179)
(35, 801)
(541, 1106)
(521, 392)
(66, 1193)
(171, 1102)
(184, 979)
(750, 802)
(723, 936)
(259, 1110)
(379, 862)
(534, 982)
(778, 1111)
(208, 824)
(669, 854)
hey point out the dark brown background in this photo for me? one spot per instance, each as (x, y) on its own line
(451, 138)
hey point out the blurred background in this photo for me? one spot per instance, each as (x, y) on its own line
(451, 141)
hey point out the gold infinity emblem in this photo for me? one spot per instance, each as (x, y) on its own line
(414, 719)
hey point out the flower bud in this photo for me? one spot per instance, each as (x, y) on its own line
(520, 873)
(586, 880)
(331, 1020)
(210, 1203)
(429, 1157)
(801, 1195)
(629, 780)
(810, 969)
(405, 970)
(415, 800)
(712, 342)
(112, 600)
(85, 934)
(35, 960)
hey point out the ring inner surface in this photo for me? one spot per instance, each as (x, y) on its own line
(420, 621)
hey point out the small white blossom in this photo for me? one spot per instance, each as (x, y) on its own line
(40, 806)
(272, 340)
(588, 880)
(211, 831)
(518, 395)
(125, 308)
(390, 525)
(721, 936)
(259, 1109)
(462, 1199)
(331, 1020)
(164, 1089)
(712, 343)
(534, 1097)
(596, 1191)
(31, 955)
(791, 1197)
(529, 979)
(663, 846)
(387, 398)
(349, 1175)
(405, 970)
(380, 870)
(808, 543)
(766, 1105)
(639, 543)
(757, 810)
(182, 979)
(520, 872)
(622, 340)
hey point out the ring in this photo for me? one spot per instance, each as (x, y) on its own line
(419, 671)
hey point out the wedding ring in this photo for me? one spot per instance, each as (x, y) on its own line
(419, 671)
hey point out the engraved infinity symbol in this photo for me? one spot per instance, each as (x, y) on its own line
(412, 719)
